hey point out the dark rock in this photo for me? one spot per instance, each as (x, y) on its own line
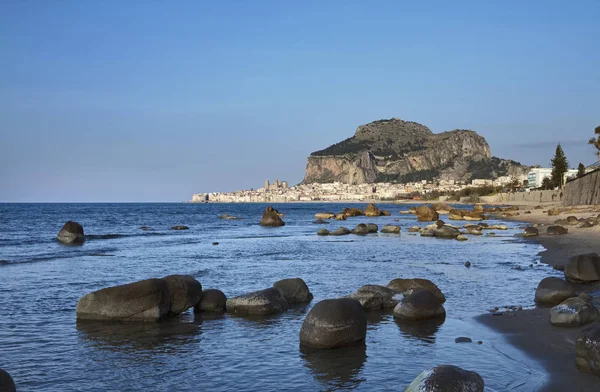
(447, 378)
(146, 228)
(361, 229)
(556, 230)
(426, 214)
(353, 212)
(294, 290)
(185, 292)
(573, 312)
(467, 264)
(320, 222)
(146, 300)
(585, 225)
(408, 286)
(340, 231)
(390, 229)
(211, 300)
(259, 303)
(271, 218)
(374, 297)
(71, 234)
(334, 323)
(215, 243)
(463, 339)
(420, 305)
(572, 220)
(323, 232)
(341, 216)
(385, 213)
(583, 268)
(530, 232)
(372, 227)
(446, 232)
(372, 210)
(6, 382)
(587, 350)
(552, 291)
(180, 227)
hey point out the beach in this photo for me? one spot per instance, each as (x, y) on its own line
(530, 330)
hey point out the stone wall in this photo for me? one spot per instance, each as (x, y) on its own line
(533, 197)
(583, 190)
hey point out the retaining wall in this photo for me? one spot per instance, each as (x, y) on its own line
(583, 190)
(533, 197)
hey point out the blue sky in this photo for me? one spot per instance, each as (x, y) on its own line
(151, 101)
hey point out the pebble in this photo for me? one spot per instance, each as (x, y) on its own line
(215, 243)
(463, 339)
(468, 264)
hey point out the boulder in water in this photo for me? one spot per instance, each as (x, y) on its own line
(146, 300)
(324, 215)
(385, 213)
(583, 268)
(294, 290)
(71, 234)
(271, 218)
(258, 303)
(374, 297)
(361, 229)
(408, 286)
(420, 305)
(414, 229)
(447, 378)
(552, 291)
(353, 212)
(6, 382)
(211, 300)
(372, 210)
(372, 227)
(185, 292)
(320, 222)
(334, 323)
(446, 232)
(179, 227)
(341, 216)
(323, 231)
(587, 350)
(426, 214)
(391, 229)
(530, 232)
(340, 231)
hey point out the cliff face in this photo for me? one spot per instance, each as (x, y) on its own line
(401, 151)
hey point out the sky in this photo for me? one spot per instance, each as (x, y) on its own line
(156, 100)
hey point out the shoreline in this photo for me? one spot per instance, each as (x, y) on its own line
(530, 330)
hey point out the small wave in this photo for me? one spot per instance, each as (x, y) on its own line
(95, 237)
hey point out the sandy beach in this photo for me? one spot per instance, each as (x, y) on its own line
(530, 330)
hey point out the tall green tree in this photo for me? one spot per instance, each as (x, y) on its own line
(560, 165)
(595, 141)
(547, 183)
(580, 170)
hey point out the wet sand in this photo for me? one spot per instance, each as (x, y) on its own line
(530, 330)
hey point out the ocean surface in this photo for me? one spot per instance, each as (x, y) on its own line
(45, 349)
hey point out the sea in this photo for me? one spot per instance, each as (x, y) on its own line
(44, 348)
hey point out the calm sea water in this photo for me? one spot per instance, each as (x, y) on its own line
(44, 349)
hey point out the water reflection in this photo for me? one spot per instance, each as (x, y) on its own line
(132, 337)
(338, 368)
(420, 330)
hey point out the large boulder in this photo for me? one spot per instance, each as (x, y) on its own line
(446, 231)
(426, 214)
(420, 305)
(212, 300)
(374, 297)
(372, 227)
(409, 286)
(323, 231)
(146, 300)
(294, 290)
(340, 231)
(361, 229)
(271, 218)
(185, 292)
(556, 230)
(573, 312)
(587, 350)
(572, 220)
(447, 378)
(552, 291)
(258, 303)
(583, 268)
(324, 215)
(71, 234)
(6, 382)
(334, 323)
(353, 212)
(531, 232)
(372, 210)
(391, 229)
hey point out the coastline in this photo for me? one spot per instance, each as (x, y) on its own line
(530, 330)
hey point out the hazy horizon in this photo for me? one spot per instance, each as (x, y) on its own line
(146, 102)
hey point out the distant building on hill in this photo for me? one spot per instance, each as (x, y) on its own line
(537, 175)
(275, 185)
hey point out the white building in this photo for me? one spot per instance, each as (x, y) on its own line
(481, 182)
(537, 175)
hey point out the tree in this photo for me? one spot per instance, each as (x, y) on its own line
(547, 183)
(595, 141)
(580, 170)
(560, 165)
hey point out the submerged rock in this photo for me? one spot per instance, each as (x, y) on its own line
(323, 232)
(341, 216)
(372, 227)
(258, 303)
(179, 227)
(211, 300)
(391, 229)
(324, 215)
(573, 312)
(340, 231)
(446, 232)
(361, 229)
(229, 217)
(583, 268)
(461, 237)
(6, 382)
(71, 233)
(587, 350)
(271, 218)
(334, 323)
(353, 212)
(408, 286)
(320, 222)
(552, 291)
(420, 305)
(447, 378)
(414, 229)
(294, 290)
(374, 297)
